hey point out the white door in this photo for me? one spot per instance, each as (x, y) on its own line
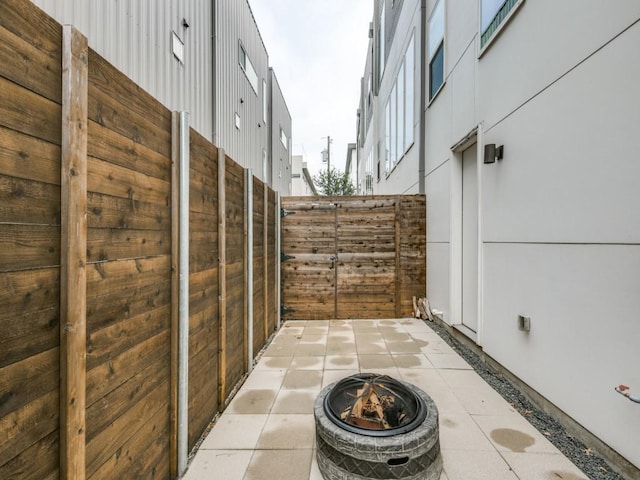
(470, 238)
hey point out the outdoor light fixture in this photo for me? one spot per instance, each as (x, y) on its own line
(493, 153)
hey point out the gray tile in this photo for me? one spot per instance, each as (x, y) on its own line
(476, 465)
(295, 401)
(252, 401)
(376, 361)
(310, 349)
(307, 363)
(403, 347)
(287, 431)
(235, 432)
(512, 433)
(542, 466)
(227, 464)
(280, 465)
(302, 380)
(274, 363)
(411, 361)
(460, 432)
(341, 362)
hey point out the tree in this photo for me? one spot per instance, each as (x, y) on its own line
(333, 182)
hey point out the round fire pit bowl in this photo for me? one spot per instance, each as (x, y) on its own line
(371, 426)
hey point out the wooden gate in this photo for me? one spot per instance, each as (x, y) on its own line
(352, 257)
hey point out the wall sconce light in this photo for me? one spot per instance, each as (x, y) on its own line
(185, 24)
(493, 153)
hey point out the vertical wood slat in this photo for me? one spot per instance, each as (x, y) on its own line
(175, 227)
(265, 258)
(335, 261)
(398, 273)
(73, 275)
(222, 280)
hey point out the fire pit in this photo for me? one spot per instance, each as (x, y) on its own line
(371, 426)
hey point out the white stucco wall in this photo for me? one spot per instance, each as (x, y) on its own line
(559, 232)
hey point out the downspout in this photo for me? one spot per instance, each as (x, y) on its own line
(214, 30)
(278, 262)
(423, 98)
(249, 194)
(183, 295)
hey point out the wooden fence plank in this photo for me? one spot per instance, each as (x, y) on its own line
(265, 258)
(29, 158)
(222, 279)
(73, 285)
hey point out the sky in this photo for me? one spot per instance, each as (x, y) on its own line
(318, 49)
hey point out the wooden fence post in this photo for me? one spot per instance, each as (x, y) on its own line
(73, 275)
(398, 289)
(175, 220)
(265, 246)
(222, 280)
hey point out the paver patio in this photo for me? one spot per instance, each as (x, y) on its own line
(267, 431)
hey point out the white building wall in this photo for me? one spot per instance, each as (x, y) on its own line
(558, 236)
(135, 36)
(402, 178)
(559, 239)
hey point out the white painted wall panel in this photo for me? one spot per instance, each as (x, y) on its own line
(568, 173)
(583, 302)
(438, 188)
(462, 82)
(438, 270)
(543, 40)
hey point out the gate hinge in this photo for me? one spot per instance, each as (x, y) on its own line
(284, 257)
(284, 212)
(284, 310)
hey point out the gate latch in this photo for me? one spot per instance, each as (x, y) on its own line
(284, 212)
(284, 257)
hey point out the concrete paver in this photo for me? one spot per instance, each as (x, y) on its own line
(267, 432)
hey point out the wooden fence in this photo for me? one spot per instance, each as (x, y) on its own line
(353, 257)
(88, 265)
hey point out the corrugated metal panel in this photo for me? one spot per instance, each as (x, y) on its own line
(234, 94)
(135, 36)
(280, 156)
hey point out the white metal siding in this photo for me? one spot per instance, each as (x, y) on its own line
(135, 36)
(235, 23)
(280, 156)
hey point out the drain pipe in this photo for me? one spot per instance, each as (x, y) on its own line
(624, 391)
(183, 293)
(278, 261)
(249, 200)
(423, 98)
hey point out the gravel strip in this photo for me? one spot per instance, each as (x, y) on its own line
(584, 458)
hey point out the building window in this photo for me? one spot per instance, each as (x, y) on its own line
(247, 68)
(368, 175)
(283, 138)
(493, 14)
(409, 76)
(436, 49)
(399, 111)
